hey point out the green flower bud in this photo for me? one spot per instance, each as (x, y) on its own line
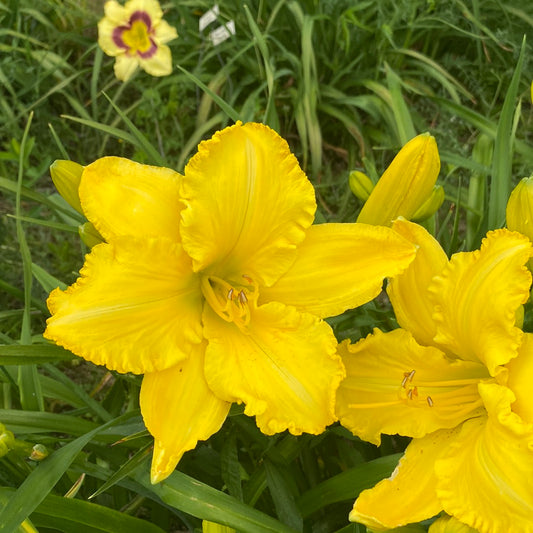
(431, 205)
(360, 184)
(7, 440)
(66, 176)
(39, 452)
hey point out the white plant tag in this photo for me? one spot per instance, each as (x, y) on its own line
(222, 33)
(208, 17)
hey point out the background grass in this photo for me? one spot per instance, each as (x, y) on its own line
(346, 83)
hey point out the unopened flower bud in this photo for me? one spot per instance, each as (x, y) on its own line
(7, 440)
(39, 452)
(66, 176)
(406, 184)
(360, 184)
(431, 205)
(519, 211)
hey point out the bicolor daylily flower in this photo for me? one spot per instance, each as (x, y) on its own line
(406, 186)
(457, 377)
(135, 34)
(214, 285)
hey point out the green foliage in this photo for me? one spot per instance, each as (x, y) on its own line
(346, 83)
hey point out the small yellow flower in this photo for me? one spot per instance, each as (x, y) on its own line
(457, 378)
(406, 184)
(214, 285)
(135, 34)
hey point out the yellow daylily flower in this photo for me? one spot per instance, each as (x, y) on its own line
(135, 34)
(214, 285)
(456, 377)
(406, 184)
(66, 176)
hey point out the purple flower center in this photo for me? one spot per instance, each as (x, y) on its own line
(136, 36)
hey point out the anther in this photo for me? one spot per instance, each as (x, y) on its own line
(430, 401)
(230, 294)
(410, 394)
(242, 297)
(411, 375)
(248, 279)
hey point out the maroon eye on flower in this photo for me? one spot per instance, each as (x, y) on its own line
(135, 34)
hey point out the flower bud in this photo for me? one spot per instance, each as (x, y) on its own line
(360, 184)
(431, 205)
(89, 235)
(406, 184)
(39, 452)
(519, 212)
(66, 176)
(7, 440)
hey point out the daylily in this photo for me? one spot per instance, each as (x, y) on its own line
(406, 185)
(214, 285)
(457, 377)
(135, 34)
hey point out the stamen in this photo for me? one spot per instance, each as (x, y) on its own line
(429, 400)
(230, 294)
(248, 279)
(242, 297)
(410, 394)
(408, 376)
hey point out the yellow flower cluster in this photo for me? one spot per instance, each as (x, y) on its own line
(215, 285)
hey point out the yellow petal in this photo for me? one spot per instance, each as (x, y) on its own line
(476, 298)
(393, 385)
(125, 66)
(408, 495)
(179, 409)
(248, 204)
(283, 366)
(408, 292)
(519, 211)
(521, 379)
(449, 524)
(405, 185)
(121, 197)
(151, 7)
(106, 27)
(486, 475)
(116, 13)
(339, 267)
(160, 64)
(164, 32)
(135, 308)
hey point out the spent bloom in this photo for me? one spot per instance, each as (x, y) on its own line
(406, 185)
(457, 378)
(214, 285)
(135, 34)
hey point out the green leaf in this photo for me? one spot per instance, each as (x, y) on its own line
(43, 479)
(347, 485)
(500, 184)
(20, 354)
(190, 496)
